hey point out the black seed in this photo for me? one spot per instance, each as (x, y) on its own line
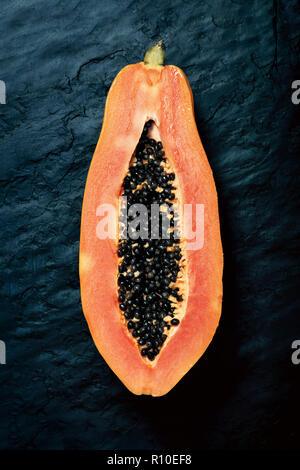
(147, 269)
(175, 322)
(150, 355)
(128, 315)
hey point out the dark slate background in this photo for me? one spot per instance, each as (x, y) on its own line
(58, 59)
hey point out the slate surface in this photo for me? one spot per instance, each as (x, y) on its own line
(58, 60)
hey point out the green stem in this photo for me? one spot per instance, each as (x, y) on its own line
(155, 55)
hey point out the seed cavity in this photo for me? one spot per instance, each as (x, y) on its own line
(150, 269)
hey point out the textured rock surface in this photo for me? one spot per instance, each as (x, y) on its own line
(58, 60)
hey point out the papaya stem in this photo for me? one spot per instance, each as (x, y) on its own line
(155, 55)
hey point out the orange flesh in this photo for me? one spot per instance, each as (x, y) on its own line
(140, 93)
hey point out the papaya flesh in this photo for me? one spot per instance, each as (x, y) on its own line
(152, 306)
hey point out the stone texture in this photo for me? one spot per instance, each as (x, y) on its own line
(58, 60)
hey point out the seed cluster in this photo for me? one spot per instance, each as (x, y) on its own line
(149, 268)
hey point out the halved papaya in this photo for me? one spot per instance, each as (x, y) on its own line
(151, 296)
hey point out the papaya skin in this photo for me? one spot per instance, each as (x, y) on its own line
(141, 92)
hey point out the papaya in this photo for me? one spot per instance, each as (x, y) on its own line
(150, 261)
